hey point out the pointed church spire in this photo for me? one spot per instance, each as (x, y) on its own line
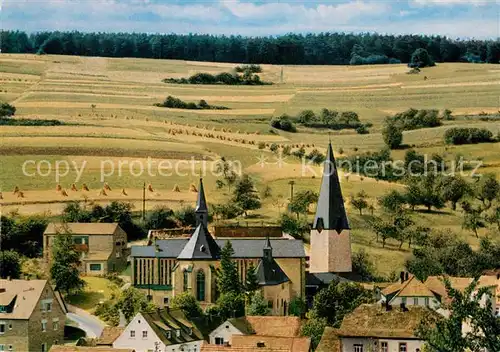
(268, 249)
(330, 212)
(201, 209)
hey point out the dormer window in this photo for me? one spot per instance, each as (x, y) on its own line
(169, 335)
(178, 333)
(202, 248)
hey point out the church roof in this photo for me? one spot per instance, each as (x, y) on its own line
(201, 202)
(201, 245)
(330, 212)
(269, 273)
(243, 248)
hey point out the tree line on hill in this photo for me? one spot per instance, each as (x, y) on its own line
(311, 49)
(176, 103)
(248, 78)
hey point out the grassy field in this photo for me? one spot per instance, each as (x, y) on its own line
(96, 290)
(107, 105)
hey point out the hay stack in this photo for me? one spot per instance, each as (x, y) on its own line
(103, 192)
(58, 188)
(64, 193)
(16, 190)
(176, 188)
(84, 187)
(106, 186)
(193, 188)
(73, 187)
(20, 194)
(1, 195)
(150, 188)
(124, 192)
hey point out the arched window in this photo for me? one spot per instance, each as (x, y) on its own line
(185, 280)
(200, 285)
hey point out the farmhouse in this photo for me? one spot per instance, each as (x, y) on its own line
(174, 265)
(103, 246)
(32, 315)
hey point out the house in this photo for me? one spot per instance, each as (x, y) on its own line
(70, 348)
(103, 246)
(32, 315)
(375, 327)
(256, 343)
(108, 335)
(166, 330)
(168, 267)
(411, 292)
(287, 327)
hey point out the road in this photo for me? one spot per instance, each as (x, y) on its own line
(89, 323)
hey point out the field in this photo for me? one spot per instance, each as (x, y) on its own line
(113, 131)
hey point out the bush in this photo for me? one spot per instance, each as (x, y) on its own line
(29, 122)
(421, 58)
(262, 145)
(362, 130)
(412, 119)
(393, 136)
(253, 68)
(283, 123)
(176, 103)
(249, 77)
(7, 110)
(460, 135)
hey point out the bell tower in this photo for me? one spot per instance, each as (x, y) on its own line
(201, 209)
(330, 235)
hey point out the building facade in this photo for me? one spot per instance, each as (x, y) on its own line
(103, 246)
(172, 266)
(32, 316)
(166, 330)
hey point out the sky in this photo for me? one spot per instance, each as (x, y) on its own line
(454, 18)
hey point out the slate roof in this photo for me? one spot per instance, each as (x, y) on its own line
(26, 294)
(201, 202)
(201, 245)
(77, 228)
(372, 320)
(164, 320)
(243, 248)
(330, 211)
(269, 273)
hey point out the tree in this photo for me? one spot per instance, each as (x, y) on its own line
(493, 217)
(337, 300)
(425, 190)
(393, 201)
(245, 195)
(454, 188)
(133, 301)
(251, 283)
(186, 216)
(188, 304)
(258, 305)
(420, 58)
(160, 218)
(393, 136)
(487, 189)
(10, 265)
(65, 263)
(7, 110)
(297, 307)
(293, 226)
(301, 202)
(314, 329)
(225, 168)
(472, 219)
(231, 305)
(466, 307)
(359, 202)
(363, 266)
(228, 280)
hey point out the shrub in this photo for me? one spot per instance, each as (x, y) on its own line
(29, 122)
(283, 123)
(176, 103)
(393, 136)
(362, 130)
(412, 119)
(7, 110)
(262, 145)
(421, 58)
(273, 147)
(460, 135)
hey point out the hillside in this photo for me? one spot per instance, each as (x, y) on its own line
(107, 107)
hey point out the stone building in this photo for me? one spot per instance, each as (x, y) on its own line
(32, 316)
(103, 246)
(171, 266)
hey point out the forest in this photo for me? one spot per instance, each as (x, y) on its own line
(297, 49)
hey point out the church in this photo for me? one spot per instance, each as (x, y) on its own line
(171, 266)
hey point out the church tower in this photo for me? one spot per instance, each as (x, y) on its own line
(330, 235)
(201, 209)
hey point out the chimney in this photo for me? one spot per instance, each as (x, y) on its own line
(407, 276)
(498, 276)
(2, 290)
(402, 276)
(403, 307)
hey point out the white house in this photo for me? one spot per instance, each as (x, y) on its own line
(375, 327)
(165, 330)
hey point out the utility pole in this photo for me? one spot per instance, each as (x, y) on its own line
(291, 183)
(144, 203)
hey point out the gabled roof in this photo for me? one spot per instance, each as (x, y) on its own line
(26, 294)
(109, 335)
(409, 288)
(77, 228)
(201, 202)
(372, 320)
(330, 341)
(267, 325)
(243, 248)
(436, 283)
(201, 245)
(330, 211)
(163, 321)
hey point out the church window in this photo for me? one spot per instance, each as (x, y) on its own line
(200, 286)
(185, 280)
